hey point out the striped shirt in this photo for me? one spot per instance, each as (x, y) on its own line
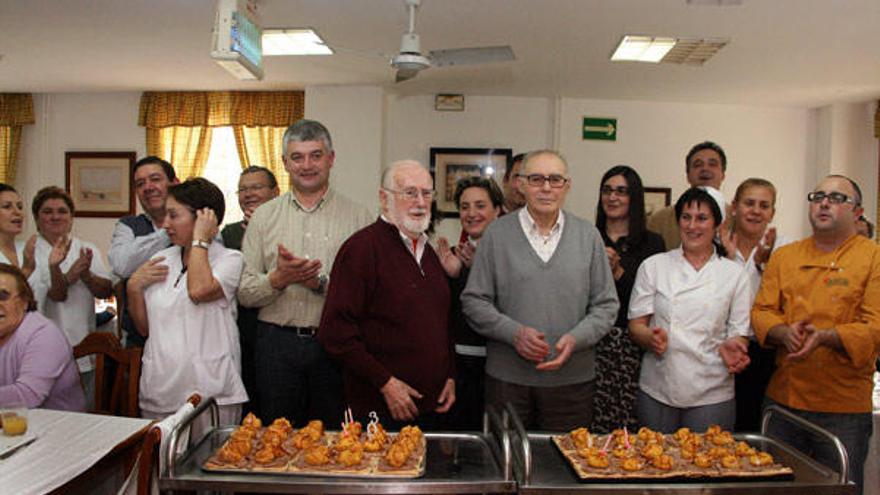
(314, 233)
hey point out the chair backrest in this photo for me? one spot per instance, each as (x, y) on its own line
(116, 365)
(150, 453)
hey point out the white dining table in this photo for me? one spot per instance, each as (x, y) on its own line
(67, 444)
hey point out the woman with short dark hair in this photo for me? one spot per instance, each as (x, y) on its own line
(183, 299)
(690, 312)
(72, 270)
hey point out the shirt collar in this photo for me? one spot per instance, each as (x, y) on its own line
(526, 219)
(328, 196)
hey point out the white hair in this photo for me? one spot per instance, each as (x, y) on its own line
(388, 175)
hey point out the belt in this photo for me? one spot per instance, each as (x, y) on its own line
(302, 331)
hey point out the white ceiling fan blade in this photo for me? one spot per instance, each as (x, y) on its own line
(471, 56)
(405, 75)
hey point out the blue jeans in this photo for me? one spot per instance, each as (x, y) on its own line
(662, 417)
(853, 429)
(294, 378)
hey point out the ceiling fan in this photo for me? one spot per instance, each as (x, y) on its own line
(410, 60)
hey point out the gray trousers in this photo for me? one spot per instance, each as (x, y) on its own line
(661, 417)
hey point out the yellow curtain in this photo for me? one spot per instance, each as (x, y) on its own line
(877, 192)
(185, 147)
(262, 146)
(257, 117)
(221, 108)
(16, 110)
(10, 140)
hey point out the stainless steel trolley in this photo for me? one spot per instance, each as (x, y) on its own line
(456, 463)
(540, 468)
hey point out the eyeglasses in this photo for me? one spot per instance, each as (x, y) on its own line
(834, 198)
(620, 190)
(537, 180)
(6, 295)
(413, 193)
(250, 189)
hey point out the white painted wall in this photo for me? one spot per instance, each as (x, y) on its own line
(654, 138)
(76, 122)
(853, 149)
(354, 117)
(414, 127)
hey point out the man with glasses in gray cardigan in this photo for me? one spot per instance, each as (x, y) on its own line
(542, 293)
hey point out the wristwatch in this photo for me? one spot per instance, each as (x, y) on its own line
(323, 280)
(201, 244)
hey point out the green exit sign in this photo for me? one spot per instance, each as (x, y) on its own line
(600, 128)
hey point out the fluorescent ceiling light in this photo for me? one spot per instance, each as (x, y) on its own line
(642, 49)
(299, 41)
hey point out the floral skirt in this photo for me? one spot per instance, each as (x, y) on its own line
(618, 359)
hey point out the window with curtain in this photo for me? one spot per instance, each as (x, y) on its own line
(216, 134)
(16, 110)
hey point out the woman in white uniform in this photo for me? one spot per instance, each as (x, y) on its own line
(690, 311)
(183, 301)
(12, 252)
(73, 272)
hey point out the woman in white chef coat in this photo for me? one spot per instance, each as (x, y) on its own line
(183, 301)
(690, 311)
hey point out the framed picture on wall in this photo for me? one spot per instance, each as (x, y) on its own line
(449, 165)
(657, 198)
(100, 182)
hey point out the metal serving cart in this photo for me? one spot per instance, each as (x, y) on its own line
(456, 463)
(540, 469)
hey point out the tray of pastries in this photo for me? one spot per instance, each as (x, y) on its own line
(648, 454)
(351, 452)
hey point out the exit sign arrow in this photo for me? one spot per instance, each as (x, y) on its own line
(600, 128)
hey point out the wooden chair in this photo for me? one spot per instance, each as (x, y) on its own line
(114, 366)
(150, 453)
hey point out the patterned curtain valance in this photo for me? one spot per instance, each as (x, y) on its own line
(221, 108)
(16, 109)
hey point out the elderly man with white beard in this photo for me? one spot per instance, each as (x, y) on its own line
(385, 319)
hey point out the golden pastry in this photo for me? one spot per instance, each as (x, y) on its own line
(396, 456)
(743, 449)
(682, 433)
(663, 462)
(265, 455)
(631, 464)
(652, 451)
(598, 460)
(703, 461)
(723, 438)
(730, 461)
(317, 455)
(718, 452)
(252, 421)
(761, 459)
(580, 438)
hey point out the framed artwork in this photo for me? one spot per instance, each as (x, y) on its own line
(449, 103)
(657, 198)
(449, 165)
(100, 182)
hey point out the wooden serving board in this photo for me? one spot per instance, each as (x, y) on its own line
(682, 468)
(372, 466)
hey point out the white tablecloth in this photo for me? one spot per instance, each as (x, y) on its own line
(67, 444)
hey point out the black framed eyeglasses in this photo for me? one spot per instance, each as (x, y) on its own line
(834, 198)
(620, 190)
(537, 180)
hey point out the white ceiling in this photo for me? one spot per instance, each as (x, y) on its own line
(782, 52)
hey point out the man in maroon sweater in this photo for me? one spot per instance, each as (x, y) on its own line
(385, 318)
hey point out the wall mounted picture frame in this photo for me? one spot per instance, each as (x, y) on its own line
(100, 182)
(657, 198)
(449, 165)
(449, 103)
